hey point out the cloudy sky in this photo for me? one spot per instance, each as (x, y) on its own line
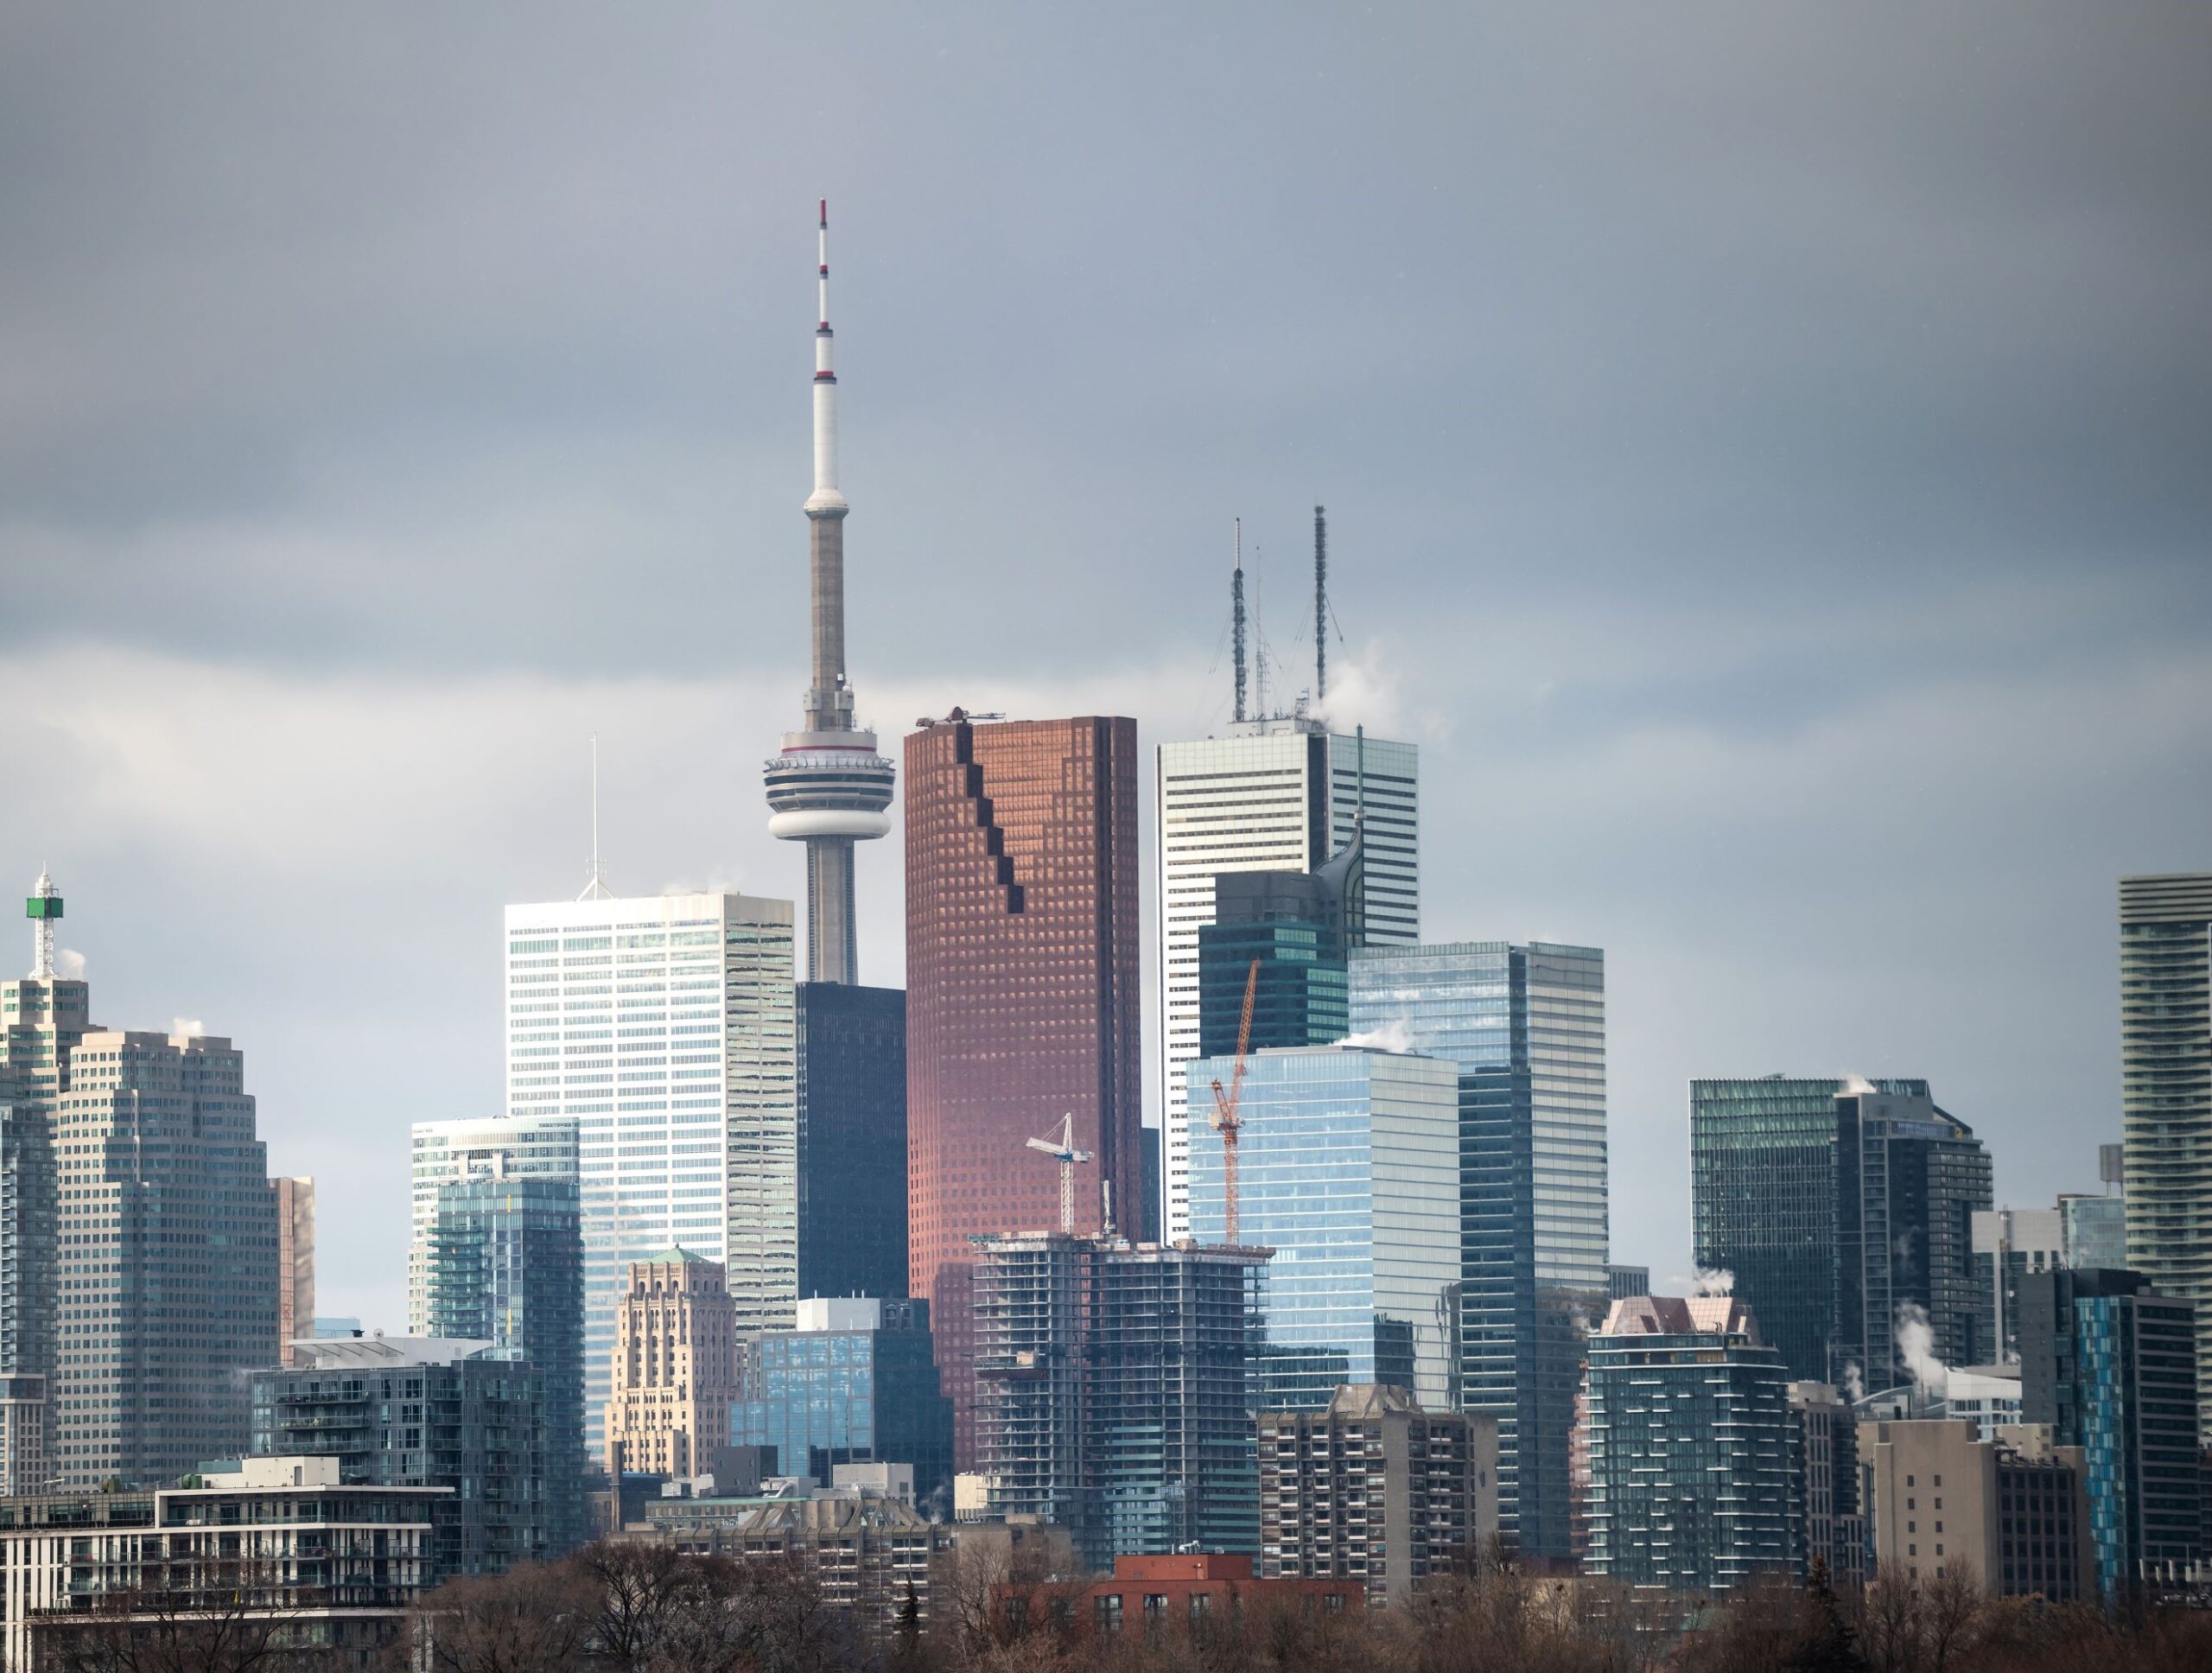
(1766, 449)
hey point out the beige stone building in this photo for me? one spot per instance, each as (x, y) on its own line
(675, 1370)
(2013, 1512)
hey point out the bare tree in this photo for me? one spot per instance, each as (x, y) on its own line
(205, 1622)
(533, 1620)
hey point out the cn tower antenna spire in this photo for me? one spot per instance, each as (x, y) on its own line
(829, 786)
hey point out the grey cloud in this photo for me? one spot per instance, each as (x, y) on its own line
(1763, 445)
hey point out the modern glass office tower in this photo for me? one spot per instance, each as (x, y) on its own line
(1023, 1001)
(1839, 1205)
(854, 1384)
(1348, 1161)
(166, 1225)
(1270, 795)
(2093, 1231)
(852, 1140)
(2110, 1364)
(1693, 1448)
(1114, 1395)
(503, 1147)
(664, 1026)
(2165, 1066)
(506, 1267)
(1526, 1028)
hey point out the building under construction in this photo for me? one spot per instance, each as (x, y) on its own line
(1112, 1390)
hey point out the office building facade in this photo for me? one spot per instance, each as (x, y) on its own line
(675, 1370)
(1375, 1489)
(855, 1383)
(1023, 1004)
(1349, 1169)
(664, 1026)
(1271, 795)
(2010, 1511)
(1694, 1450)
(1525, 1025)
(498, 1147)
(1113, 1390)
(2165, 1065)
(507, 1266)
(851, 1055)
(2110, 1365)
(1839, 1206)
(400, 1411)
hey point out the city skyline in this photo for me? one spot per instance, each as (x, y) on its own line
(1808, 612)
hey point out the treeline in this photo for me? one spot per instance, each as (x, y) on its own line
(644, 1608)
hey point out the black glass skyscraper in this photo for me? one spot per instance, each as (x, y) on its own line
(852, 1140)
(1280, 934)
(1843, 1209)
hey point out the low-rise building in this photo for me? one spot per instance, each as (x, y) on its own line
(1376, 1490)
(864, 1550)
(321, 1570)
(1188, 1590)
(2012, 1510)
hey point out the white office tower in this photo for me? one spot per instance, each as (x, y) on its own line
(1280, 794)
(496, 1148)
(663, 1026)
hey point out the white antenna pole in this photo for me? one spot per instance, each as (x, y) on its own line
(596, 882)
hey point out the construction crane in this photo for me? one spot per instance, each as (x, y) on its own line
(1225, 1119)
(955, 718)
(1063, 1152)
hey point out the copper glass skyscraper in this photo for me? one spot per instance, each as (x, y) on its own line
(1021, 996)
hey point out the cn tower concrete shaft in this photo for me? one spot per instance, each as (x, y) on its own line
(829, 787)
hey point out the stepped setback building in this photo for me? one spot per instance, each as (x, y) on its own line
(675, 1368)
(1022, 998)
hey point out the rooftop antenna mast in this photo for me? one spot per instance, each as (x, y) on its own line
(43, 907)
(1236, 616)
(596, 881)
(1320, 604)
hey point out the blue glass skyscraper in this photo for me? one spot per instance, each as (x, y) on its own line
(855, 1383)
(506, 1267)
(1525, 1027)
(1348, 1167)
(2110, 1364)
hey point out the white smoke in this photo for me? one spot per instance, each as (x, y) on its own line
(1395, 1035)
(186, 1028)
(1917, 1347)
(1854, 1382)
(69, 964)
(1713, 1280)
(1858, 1086)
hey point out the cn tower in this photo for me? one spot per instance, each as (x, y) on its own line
(829, 786)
